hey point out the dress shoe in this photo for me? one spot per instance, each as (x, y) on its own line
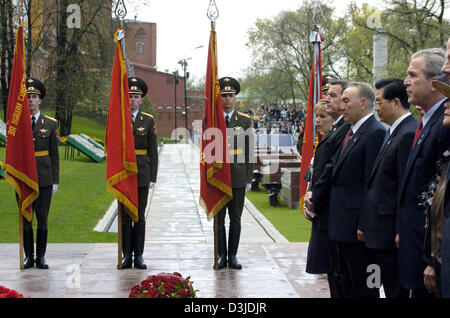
(40, 263)
(222, 262)
(233, 262)
(127, 261)
(28, 262)
(139, 262)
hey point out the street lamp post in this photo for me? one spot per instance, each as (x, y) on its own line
(184, 65)
(175, 75)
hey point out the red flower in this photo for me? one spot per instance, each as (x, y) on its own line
(163, 285)
(9, 293)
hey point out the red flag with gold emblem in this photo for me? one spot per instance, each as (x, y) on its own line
(121, 167)
(20, 162)
(314, 96)
(215, 179)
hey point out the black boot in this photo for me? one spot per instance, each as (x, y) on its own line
(222, 242)
(28, 246)
(127, 245)
(233, 244)
(41, 246)
(138, 244)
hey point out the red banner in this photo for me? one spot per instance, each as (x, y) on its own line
(121, 168)
(215, 179)
(314, 96)
(20, 162)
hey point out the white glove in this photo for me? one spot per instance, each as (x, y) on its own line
(248, 187)
(55, 188)
(151, 185)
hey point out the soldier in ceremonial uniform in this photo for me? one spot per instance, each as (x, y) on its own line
(241, 173)
(47, 163)
(133, 233)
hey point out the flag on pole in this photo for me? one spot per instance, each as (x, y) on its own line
(215, 179)
(314, 95)
(121, 168)
(20, 162)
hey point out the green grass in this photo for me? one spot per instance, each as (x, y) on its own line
(89, 127)
(78, 205)
(289, 222)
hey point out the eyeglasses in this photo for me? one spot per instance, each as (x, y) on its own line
(379, 102)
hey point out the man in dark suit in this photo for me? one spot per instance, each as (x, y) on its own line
(239, 127)
(420, 168)
(351, 171)
(317, 199)
(445, 268)
(45, 139)
(380, 213)
(146, 148)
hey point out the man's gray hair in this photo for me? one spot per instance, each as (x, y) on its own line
(434, 59)
(365, 91)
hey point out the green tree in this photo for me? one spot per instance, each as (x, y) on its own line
(83, 59)
(409, 26)
(281, 51)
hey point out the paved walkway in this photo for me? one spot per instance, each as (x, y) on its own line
(179, 238)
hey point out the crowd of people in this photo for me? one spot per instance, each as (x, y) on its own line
(277, 119)
(378, 198)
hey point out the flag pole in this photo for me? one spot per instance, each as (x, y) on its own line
(216, 220)
(21, 239)
(213, 13)
(119, 235)
(120, 11)
(216, 242)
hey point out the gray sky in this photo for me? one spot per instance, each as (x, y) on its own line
(182, 26)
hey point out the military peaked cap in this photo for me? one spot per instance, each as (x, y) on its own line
(35, 86)
(137, 86)
(326, 81)
(229, 85)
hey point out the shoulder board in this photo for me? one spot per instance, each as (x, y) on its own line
(51, 118)
(245, 115)
(147, 114)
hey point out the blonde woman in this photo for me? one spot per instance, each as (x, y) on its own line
(317, 259)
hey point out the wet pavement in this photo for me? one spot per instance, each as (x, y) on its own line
(178, 238)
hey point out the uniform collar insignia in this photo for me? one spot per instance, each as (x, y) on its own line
(43, 130)
(141, 129)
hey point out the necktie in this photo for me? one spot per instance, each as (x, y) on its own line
(33, 122)
(386, 138)
(418, 132)
(347, 138)
(227, 120)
